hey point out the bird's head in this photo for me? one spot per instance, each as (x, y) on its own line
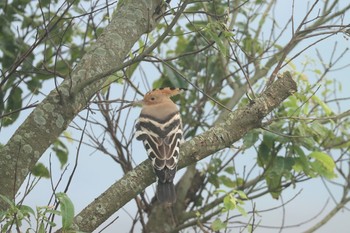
(160, 95)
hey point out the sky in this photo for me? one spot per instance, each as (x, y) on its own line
(96, 172)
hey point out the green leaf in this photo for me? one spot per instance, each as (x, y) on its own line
(301, 162)
(68, 136)
(41, 228)
(218, 225)
(280, 166)
(230, 170)
(219, 42)
(241, 194)
(323, 164)
(67, 210)
(239, 182)
(27, 210)
(324, 106)
(242, 211)
(230, 202)
(263, 154)
(227, 181)
(14, 103)
(34, 85)
(61, 152)
(40, 170)
(250, 138)
(273, 182)
(214, 180)
(320, 130)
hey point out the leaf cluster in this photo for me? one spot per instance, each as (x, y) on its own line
(17, 214)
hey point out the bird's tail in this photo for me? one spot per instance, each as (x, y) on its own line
(166, 192)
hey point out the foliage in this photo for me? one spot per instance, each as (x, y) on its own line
(43, 28)
(66, 211)
(17, 214)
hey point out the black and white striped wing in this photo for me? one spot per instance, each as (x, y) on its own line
(161, 139)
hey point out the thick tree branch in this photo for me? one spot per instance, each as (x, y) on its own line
(51, 117)
(223, 135)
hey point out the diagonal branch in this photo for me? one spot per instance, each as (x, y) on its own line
(223, 135)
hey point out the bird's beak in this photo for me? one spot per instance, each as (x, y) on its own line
(137, 103)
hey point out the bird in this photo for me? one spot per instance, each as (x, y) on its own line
(159, 127)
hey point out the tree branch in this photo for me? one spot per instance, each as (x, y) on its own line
(223, 135)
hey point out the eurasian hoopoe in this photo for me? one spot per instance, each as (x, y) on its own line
(160, 129)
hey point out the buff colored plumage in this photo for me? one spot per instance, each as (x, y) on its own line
(160, 128)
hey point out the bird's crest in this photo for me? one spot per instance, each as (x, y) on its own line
(167, 91)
